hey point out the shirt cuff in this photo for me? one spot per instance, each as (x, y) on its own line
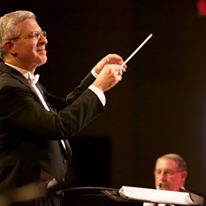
(99, 93)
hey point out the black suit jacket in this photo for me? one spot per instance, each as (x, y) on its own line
(30, 135)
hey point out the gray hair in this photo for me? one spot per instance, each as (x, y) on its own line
(181, 163)
(9, 29)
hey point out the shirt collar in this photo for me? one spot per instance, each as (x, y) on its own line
(28, 75)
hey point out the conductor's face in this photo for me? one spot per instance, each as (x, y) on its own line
(28, 50)
(168, 176)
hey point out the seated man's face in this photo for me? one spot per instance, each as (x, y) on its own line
(167, 175)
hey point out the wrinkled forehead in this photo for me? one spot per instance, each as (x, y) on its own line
(166, 164)
(28, 25)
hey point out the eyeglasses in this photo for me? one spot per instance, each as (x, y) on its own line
(32, 35)
(37, 34)
(166, 172)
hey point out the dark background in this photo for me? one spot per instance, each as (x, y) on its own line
(158, 107)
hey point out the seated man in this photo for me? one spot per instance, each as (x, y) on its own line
(170, 174)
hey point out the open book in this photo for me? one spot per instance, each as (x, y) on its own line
(160, 196)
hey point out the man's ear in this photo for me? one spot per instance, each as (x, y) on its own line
(10, 46)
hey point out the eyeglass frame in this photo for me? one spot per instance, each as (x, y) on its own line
(32, 35)
(167, 172)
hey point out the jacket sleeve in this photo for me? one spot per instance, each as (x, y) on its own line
(23, 115)
(59, 103)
